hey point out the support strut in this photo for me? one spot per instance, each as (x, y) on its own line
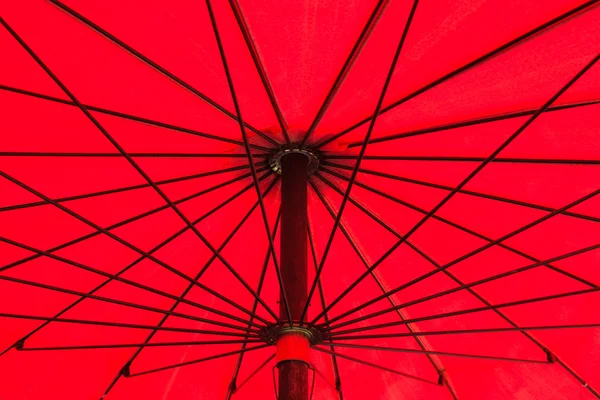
(292, 346)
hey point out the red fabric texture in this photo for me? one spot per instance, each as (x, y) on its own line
(158, 88)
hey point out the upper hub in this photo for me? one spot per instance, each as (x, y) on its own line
(272, 333)
(313, 159)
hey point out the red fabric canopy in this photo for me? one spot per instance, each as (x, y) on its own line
(457, 139)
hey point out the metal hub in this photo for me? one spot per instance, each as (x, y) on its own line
(313, 159)
(271, 333)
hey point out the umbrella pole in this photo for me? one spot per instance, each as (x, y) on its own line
(293, 346)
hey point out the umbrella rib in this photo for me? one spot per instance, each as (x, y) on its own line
(360, 157)
(467, 66)
(142, 173)
(138, 217)
(156, 248)
(239, 16)
(453, 224)
(381, 367)
(440, 353)
(199, 360)
(129, 345)
(216, 253)
(482, 248)
(473, 122)
(352, 57)
(478, 296)
(127, 244)
(373, 275)
(120, 325)
(525, 330)
(120, 279)
(336, 371)
(233, 384)
(249, 155)
(479, 282)
(256, 371)
(476, 251)
(154, 65)
(447, 188)
(117, 276)
(469, 159)
(252, 314)
(129, 117)
(322, 375)
(471, 176)
(128, 304)
(146, 177)
(465, 331)
(494, 307)
(138, 155)
(126, 188)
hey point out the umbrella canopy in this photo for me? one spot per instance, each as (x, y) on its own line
(248, 199)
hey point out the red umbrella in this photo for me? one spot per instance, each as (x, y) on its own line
(249, 199)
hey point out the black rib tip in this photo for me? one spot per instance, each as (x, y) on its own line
(440, 379)
(550, 357)
(19, 345)
(126, 371)
(338, 385)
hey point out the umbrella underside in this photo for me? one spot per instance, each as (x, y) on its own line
(192, 194)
